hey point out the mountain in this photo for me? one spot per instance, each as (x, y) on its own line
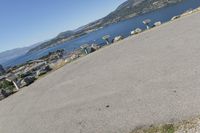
(14, 53)
(126, 10)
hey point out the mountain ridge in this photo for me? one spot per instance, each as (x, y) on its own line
(126, 10)
(16, 52)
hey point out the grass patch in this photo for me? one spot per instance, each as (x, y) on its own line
(167, 128)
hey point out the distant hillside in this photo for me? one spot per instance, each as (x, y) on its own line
(126, 10)
(14, 53)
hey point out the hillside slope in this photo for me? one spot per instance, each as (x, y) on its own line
(128, 9)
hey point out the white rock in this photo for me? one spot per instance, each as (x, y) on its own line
(118, 38)
(157, 23)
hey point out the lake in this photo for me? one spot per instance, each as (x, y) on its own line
(122, 28)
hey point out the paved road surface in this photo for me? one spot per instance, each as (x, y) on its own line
(150, 78)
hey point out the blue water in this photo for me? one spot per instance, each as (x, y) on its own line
(122, 28)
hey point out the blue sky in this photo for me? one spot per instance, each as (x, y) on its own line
(25, 22)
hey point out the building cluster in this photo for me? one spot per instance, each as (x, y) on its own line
(18, 77)
(82, 51)
(14, 78)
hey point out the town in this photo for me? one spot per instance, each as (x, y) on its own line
(12, 79)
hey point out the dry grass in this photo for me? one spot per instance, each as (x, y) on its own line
(167, 128)
(186, 126)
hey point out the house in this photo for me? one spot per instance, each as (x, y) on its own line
(157, 24)
(27, 81)
(138, 30)
(146, 23)
(43, 70)
(86, 48)
(95, 47)
(175, 17)
(118, 38)
(37, 65)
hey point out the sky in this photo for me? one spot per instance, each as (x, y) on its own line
(26, 22)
